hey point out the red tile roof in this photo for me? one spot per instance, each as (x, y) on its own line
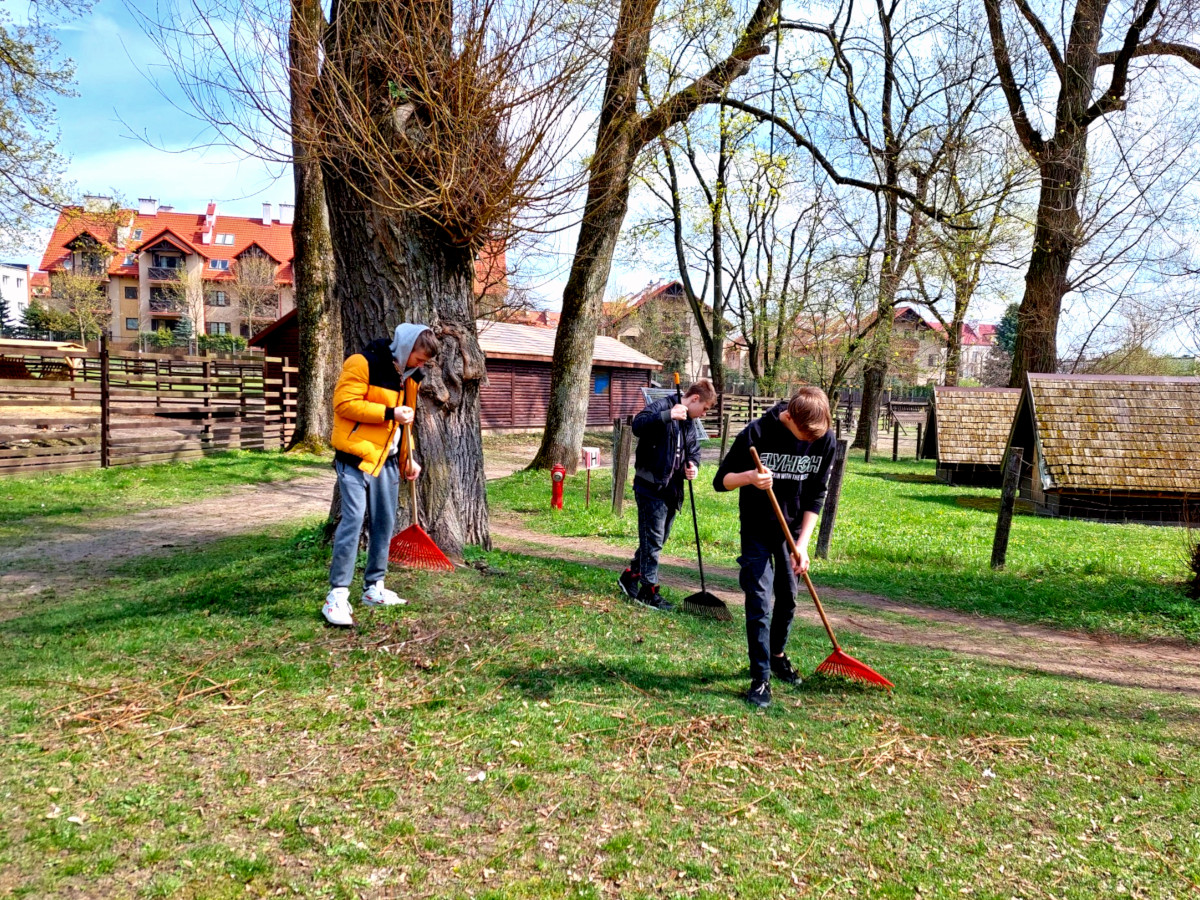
(187, 228)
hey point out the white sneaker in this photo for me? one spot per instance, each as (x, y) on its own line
(337, 607)
(378, 595)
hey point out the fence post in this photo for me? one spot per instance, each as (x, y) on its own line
(105, 400)
(831, 499)
(920, 440)
(896, 440)
(283, 396)
(206, 429)
(1008, 499)
(724, 437)
(621, 467)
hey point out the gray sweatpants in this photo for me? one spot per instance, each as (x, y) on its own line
(364, 494)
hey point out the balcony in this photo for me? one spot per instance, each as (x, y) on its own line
(164, 273)
(166, 306)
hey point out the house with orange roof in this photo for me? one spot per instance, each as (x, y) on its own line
(139, 255)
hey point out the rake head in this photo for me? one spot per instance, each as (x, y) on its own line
(844, 665)
(413, 547)
(708, 606)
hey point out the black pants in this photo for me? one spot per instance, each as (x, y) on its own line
(770, 587)
(655, 516)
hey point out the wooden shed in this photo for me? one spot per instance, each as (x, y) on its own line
(967, 432)
(1110, 447)
(518, 365)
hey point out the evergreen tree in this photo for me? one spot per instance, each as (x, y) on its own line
(185, 332)
(1006, 331)
(6, 321)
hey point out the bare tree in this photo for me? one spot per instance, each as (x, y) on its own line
(186, 294)
(1070, 69)
(248, 70)
(623, 131)
(254, 291)
(81, 295)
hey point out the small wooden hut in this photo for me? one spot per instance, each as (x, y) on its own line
(1110, 447)
(966, 432)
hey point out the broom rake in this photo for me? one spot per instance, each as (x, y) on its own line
(839, 662)
(701, 603)
(413, 547)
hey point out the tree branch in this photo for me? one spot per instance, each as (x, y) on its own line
(1043, 34)
(1033, 142)
(837, 177)
(1114, 98)
(711, 86)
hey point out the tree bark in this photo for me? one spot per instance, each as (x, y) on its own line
(621, 134)
(317, 315)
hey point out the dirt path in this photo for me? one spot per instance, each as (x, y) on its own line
(95, 547)
(1162, 665)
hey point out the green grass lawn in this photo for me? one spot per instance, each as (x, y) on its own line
(189, 729)
(110, 492)
(902, 535)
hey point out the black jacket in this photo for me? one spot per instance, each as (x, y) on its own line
(664, 446)
(801, 470)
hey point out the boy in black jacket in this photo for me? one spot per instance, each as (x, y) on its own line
(796, 445)
(668, 451)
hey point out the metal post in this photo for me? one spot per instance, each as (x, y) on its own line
(829, 516)
(1008, 499)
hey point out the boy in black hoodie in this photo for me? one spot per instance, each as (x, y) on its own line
(796, 445)
(668, 452)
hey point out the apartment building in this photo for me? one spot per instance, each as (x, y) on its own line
(15, 288)
(140, 255)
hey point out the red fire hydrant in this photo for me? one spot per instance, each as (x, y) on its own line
(557, 475)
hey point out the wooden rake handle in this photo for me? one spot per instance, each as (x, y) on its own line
(795, 551)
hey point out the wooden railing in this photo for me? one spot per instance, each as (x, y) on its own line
(116, 409)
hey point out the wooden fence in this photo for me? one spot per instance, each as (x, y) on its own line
(65, 411)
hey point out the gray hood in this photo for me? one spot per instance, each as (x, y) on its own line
(402, 344)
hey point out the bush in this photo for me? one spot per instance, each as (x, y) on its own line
(222, 343)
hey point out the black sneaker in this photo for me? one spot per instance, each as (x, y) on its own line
(759, 694)
(628, 583)
(649, 596)
(782, 668)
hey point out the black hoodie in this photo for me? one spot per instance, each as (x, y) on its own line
(801, 470)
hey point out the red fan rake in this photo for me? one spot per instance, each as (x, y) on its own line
(839, 662)
(413, 547)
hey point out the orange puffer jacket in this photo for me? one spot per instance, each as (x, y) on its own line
(362, 416)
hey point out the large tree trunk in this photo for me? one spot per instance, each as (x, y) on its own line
(603, 216)
(316, 314)
(393, 270)
(395, 265)
(1055, 240)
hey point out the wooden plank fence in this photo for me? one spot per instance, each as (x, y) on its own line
(120, 410)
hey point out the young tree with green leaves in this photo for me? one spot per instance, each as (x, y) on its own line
(83, 299)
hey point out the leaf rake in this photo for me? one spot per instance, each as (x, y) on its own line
(839, 662)
(413, 547)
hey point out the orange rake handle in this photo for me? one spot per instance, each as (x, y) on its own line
(406, 441)
(791, 542)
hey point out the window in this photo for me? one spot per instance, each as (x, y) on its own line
(131, 293)
(6, 279)
(131, 324)
(226, 239)
(245, 330)
(129, 259)
(217, 327)
(221, 265)
(137, 234)
(217, 298)
(602, 383)
(20, 282)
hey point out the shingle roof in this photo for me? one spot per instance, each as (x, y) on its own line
(973, 424)
(1118, 432)
(504, 340)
